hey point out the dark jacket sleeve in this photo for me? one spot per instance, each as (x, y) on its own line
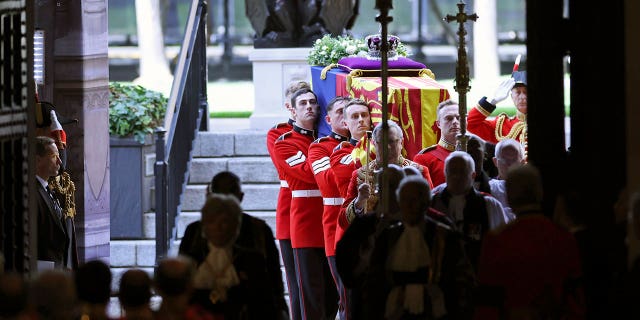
(193, 245)
(274, 270)
(350, 247)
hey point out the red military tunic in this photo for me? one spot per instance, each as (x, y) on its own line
(500, 128)
(319, 159)
(342, 165)
(526, 264)
(357, 177)
(284, 195)
(291, 151)
(433, 158)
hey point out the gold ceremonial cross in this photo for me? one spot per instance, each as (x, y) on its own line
(462, 72)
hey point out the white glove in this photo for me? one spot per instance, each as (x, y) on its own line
(502, 92)
(55, 124)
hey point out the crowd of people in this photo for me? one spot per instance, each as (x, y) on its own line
(446, 235)
(447, 240)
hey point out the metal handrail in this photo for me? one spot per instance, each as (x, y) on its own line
(186, 114)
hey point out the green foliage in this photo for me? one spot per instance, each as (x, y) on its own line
(328, 49)
(134, 110)
(230, 114)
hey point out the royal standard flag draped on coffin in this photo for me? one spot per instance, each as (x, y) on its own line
(412, 103)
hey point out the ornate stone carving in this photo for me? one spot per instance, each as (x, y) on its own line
(298, 23)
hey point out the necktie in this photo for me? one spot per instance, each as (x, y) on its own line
(56, 204)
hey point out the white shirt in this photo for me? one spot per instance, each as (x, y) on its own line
(495, 211)
(499, 191)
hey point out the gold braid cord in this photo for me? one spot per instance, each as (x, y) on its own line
(427, 73)
(65, 188)
(323, 73)
(513, 133)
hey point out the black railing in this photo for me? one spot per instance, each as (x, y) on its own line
(186, 114)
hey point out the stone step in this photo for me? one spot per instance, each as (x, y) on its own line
(257, 197)
(249, 169)
(185, 218)
(227, 144)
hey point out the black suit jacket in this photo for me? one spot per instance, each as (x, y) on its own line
(254, 234)
(250, 299)
(53, 238)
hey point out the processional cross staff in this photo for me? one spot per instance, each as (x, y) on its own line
(462, 72)
(383, 18)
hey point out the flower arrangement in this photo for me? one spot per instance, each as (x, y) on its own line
(328, 49)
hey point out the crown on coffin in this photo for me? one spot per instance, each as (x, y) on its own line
(374, 43)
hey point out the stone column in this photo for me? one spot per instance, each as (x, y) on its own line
(273, 70)
(81, 90)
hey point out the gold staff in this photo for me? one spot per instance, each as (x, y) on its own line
(383, 18)
(462, 72)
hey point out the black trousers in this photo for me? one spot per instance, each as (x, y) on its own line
(318, 294)
(344, 311)
(292, 282)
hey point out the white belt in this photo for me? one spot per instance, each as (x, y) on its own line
(284, 184)
(305, 193)
(332, 201)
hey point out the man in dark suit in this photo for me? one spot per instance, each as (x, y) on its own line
(54, 238)
(254, 234)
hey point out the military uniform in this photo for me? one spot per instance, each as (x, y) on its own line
(284, 195)
(343, 165)
(307, 240)
(433, 158)
(367, 174)
(283, 232)
(500, 128)
(319, 159)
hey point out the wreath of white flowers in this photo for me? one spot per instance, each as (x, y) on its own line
(328, 50)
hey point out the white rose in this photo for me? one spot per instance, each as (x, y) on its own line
(362, 54)
(351, 49)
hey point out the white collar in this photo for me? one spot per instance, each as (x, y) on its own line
(43, 182)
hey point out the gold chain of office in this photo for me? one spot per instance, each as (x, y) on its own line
(62, 185)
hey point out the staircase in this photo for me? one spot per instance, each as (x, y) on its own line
(242, 152)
